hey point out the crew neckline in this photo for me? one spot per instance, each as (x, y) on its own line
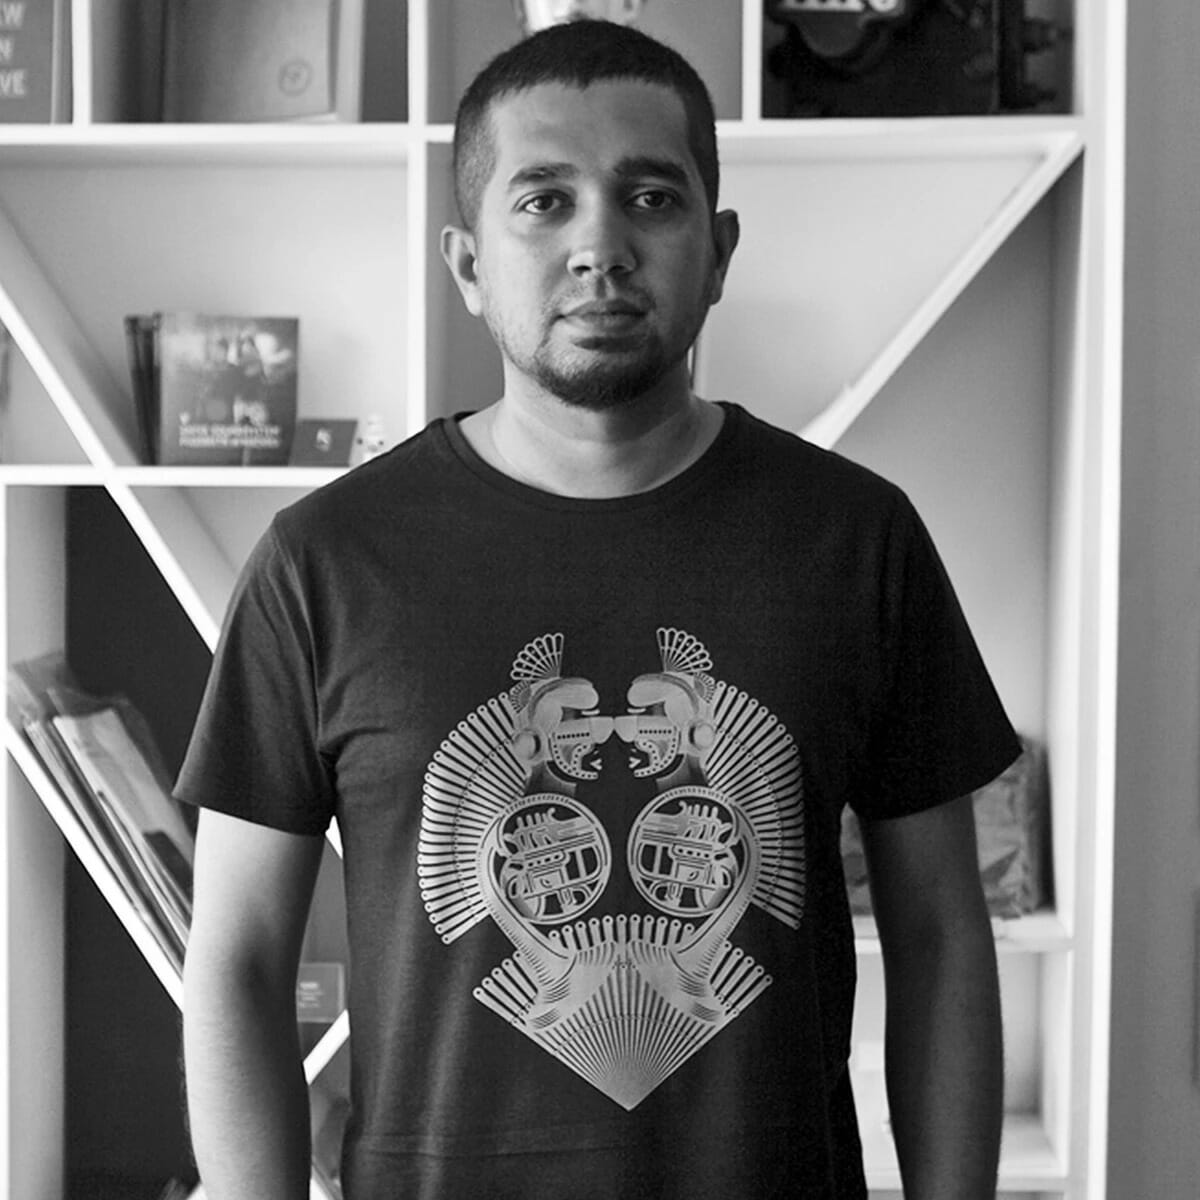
(686, 481)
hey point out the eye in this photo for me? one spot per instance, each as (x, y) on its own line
(541, 204)
(655, 200)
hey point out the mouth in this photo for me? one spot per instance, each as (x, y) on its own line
(605, 308)
(599, 317)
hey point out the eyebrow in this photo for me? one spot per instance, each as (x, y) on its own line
(639, 166)
(643, 165)
(542, 172)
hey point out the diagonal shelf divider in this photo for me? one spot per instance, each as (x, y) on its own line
(187, 556)
(332, 1040)
(826, 429)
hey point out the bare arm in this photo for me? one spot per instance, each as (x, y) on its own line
(943, 1042)
(247, 1101)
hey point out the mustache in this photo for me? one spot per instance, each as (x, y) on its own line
(626, 301)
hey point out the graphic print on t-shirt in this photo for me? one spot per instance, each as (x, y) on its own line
(626, 998)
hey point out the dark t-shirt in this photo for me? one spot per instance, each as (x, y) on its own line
(588, 759)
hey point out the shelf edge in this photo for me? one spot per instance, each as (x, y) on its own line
(1036, 933)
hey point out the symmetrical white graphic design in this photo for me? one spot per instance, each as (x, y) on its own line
(623, 1000)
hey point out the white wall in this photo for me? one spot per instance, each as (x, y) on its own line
(1154, 1147)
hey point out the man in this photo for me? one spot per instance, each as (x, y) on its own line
(587, 677)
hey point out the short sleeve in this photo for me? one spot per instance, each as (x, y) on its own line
(254, 749)
(941, 731)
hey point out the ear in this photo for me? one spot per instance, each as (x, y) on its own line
(726, 231)
(458, 249)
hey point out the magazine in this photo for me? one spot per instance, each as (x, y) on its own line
(101, 755)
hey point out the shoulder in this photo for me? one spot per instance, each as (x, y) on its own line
(398, 480)
(819, 480)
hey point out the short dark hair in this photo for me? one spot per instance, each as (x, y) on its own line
(578, 53)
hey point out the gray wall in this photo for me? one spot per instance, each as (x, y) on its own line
(1154, 1146)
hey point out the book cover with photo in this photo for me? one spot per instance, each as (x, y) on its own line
(226, 389)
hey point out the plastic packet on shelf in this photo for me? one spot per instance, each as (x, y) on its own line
(1012, 826)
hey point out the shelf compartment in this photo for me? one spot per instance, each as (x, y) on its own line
(879, 275)
(1029, 1168)
(464, 35)
(1049, 71)
(859, 254)
(328, 247)
(118, 72)
(1033, 1152)
(32, 429)
(39, 788)
(63, 360)
(964, 427)
(98, 552)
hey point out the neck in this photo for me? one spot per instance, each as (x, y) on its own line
(576, 452)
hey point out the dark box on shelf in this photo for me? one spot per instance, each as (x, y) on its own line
(902, 58)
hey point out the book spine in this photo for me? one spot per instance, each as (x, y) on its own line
(140, 342)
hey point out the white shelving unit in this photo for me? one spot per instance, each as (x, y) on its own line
(938, 298)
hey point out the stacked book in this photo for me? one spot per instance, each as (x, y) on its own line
(101, 756)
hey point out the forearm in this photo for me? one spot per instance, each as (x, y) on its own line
(945, 1066)
(247, 1099)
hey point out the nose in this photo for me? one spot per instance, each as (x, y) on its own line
(602, 243)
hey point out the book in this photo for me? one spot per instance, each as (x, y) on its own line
(141, 344)
(347, 51)
(96, 827)
(214, 390)
(143, 815)
(101, 756)
(273, 60)
(35, 71)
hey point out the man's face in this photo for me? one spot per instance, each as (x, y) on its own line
(596, 257)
